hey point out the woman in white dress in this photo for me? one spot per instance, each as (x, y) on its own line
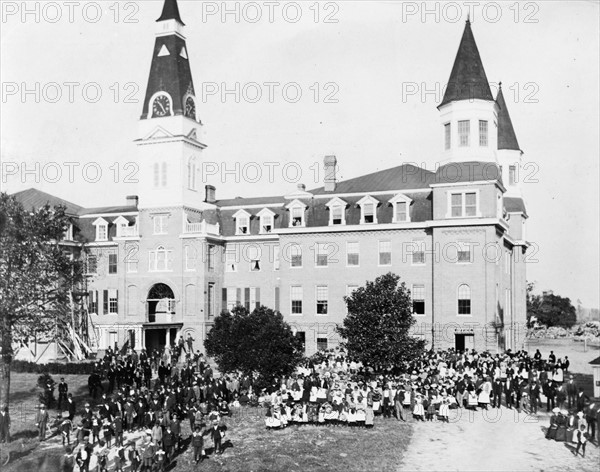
(419, 410)
(484, 395)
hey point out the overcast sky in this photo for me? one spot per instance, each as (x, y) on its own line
(373, 63)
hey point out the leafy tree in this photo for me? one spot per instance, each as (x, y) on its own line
(549, 309)
(376, 330)
(36, 278)
(260, 343)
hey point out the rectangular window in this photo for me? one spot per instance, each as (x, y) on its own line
(231, 259)
(385, 253)
(353, 254)
(160, 224)
(112, 263)
(93, 301)
(369, 212)
(266, 224)
(464, 130)
(92, 264)
(210, 299)
(337, 215)
(483, 133)
(301, 335)
(401, 214)
(418, 256)
(322, 299)
(210, 256)
(349, 291)
(464, 253)
(296, 299)
(242, 225)
(463, 204)
(113, 302)
(160, 260)
(297, 216)
(102, 233)
(232, 300)
(296, 255)
(321, 344)
(321, 259)
(418, 299)
(464, 307)
(447, 136)
(512, 175)
(254, 258)
(470, 204)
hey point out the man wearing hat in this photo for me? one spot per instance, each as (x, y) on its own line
(41, 421)
(217, 432)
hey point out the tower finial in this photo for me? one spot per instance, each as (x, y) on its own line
(500, 84)
(468, 18)
(170, 12)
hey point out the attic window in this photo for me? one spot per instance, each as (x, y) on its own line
(401, 204)
(101, 229)
(267, 218)
(242, 222)
(337, 209)
(69, 233)
(368, 207)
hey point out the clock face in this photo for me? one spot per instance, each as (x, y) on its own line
(161, 106)
(190, 108)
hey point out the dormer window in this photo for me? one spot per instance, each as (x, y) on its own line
(122, 224)
(401, 204)
(242, 222)
(297, 209)
(463, 204)
(368, 206)
(337, 211)
(267, 220)
(101, 229)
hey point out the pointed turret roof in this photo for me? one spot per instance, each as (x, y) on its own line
(507, 139)
(170, 12)
(467, 79)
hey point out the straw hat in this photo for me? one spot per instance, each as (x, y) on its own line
(556, 410)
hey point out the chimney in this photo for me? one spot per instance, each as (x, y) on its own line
(211, 194)
(329, 164)
(132, 200)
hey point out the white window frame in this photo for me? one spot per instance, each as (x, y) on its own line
(463, 193)
(101, 229)
(121, 223)
(348, 253)
(160, 224)
(69, 233)
(153, 259)
(296, 250)
(231, 258)
(417, 247)
(276, 257)
(484, 134)
(368, 199)
(191, 255)
(462, 134)
(414, 290)
(321, 250)
(447, 136)
(265, 215)
(112, 255)
(292, 299)
(379, 252)
(458, 294)
(339, 204)
(254, 257)
(240, 216)
(400, 198)
(463, 247)
(301, 207)
(113, 302)
(321, 300)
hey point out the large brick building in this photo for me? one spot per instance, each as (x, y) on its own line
(171, 258)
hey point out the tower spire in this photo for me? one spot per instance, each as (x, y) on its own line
(170, 12)
(507, 139)
(467, 79)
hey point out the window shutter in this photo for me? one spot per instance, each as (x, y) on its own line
(238, 296)
(247, 298)
(104, 302)
(90, 300)
(276, 298)
(224, 298)
(257, 297)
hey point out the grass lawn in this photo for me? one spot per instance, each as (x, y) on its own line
(249, 446)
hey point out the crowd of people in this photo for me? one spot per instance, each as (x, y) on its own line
(159, 404)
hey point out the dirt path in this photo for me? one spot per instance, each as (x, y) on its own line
(497, 440)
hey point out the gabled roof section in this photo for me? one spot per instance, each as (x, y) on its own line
(467, 79)
(33, 198)
(170, 12)
(107, 210)
(515, 205)
(507, 139)
(402, 177)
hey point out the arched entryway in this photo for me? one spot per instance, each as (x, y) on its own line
(160, 329)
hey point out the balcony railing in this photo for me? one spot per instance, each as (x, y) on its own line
(201, 228)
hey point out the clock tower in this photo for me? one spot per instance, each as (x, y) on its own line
(170, 131)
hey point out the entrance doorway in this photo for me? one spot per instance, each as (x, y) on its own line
(464, 341)
(157, 338)
(161, 300)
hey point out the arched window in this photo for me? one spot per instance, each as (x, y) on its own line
(464, 300)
